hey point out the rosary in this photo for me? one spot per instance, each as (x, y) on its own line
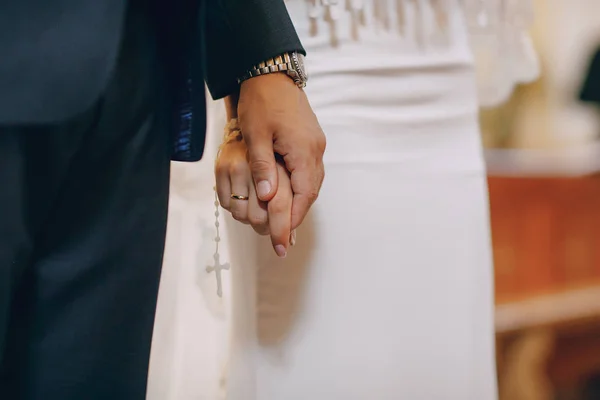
(232, 132)
(218, 267)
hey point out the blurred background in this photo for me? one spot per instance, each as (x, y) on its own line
(543, 155)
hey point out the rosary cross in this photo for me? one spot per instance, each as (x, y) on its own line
(217, 268)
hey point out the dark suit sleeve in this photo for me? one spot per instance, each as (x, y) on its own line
(240, 34)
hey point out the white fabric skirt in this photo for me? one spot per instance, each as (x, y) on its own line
(388, 294)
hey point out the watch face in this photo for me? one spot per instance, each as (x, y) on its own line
(300, 68)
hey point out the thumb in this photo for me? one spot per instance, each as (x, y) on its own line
(263, 167)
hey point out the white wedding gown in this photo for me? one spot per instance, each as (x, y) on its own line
(388, 293)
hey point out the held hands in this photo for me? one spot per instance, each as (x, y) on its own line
(276, 118)
(279, 130)
(234, 177)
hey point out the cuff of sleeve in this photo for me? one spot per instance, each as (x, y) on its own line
(241, 34)
(220, 88)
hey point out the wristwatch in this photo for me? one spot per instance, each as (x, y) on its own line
(291, 63)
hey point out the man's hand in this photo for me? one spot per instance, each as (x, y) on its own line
(275, 116)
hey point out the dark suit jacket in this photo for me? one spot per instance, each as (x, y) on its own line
(56, 56)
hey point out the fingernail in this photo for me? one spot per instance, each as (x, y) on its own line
(281, 251)
(263, 189)
(293, 238)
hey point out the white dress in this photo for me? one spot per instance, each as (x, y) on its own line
(388, 293)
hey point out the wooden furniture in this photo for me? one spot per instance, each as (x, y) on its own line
(546, 238)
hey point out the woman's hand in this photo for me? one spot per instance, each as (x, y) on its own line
(234, 177)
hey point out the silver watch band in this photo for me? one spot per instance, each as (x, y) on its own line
(280, 63)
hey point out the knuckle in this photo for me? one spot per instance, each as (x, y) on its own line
(238, 215)
(261, 230)
(221, 168)
(319, 144)
(320, 179)
(257, 219)
(254, 134)
(223, 200)
(238, 168)
(260, 165)
(224, 204)
(312, 195)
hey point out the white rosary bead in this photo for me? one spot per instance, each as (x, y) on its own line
(217, 268)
